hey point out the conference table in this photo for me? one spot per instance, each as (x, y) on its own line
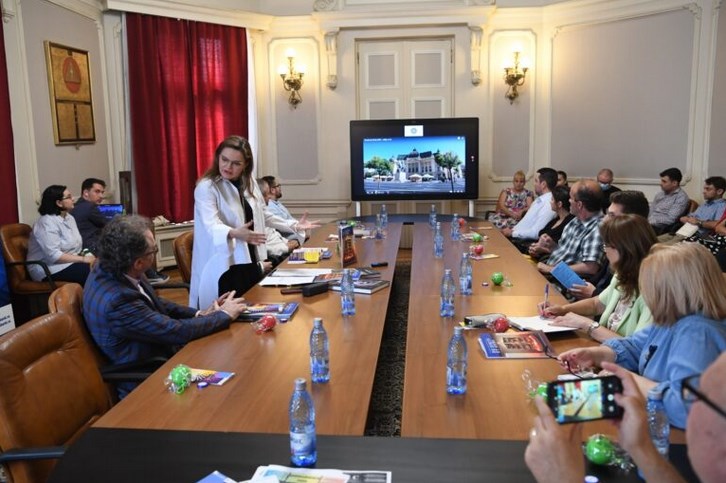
(495, 407)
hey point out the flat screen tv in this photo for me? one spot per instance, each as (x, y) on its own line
(415, 159)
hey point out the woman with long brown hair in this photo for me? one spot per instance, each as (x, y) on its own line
(627, 239)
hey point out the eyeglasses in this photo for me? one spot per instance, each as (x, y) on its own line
(69, 197)
(605, 246)
(567, 365)
(277, 186)
(690, 394)
(153, 251)
(235, 164)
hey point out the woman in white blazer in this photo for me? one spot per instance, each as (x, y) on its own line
(229, 226)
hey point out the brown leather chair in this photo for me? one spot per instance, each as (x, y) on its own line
(68, 299)
(183, 255)
(29, 298)
(50, 391)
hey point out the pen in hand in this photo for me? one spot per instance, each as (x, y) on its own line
(545, 304)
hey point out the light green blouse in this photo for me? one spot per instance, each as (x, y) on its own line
(635, 318)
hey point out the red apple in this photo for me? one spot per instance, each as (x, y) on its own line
(462, 222)
(478, 249)
(501, 324)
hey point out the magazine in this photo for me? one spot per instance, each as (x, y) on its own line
(282, 310)
(365, 286)
(516, 345)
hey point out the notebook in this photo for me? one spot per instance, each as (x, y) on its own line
(111, 210)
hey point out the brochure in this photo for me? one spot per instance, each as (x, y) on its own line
(515, 345)
(282, 310)
(566, 276)
(365, 286)
(315, 475)
(212, 377)
(346, 240)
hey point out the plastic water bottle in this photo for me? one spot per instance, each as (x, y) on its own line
(319, 352)
(448, 290)
(380, 231)
(455, 228)
(660, 429)
(303, 451)
(456, 363)
(432, 216)
(384, 216)
(465, 272)
(347, 295)
(438, 241)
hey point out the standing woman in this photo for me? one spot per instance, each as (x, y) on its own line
(56, 241)
(229, 226)
(512, 203)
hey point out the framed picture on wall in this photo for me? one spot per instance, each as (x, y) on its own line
(69, 81)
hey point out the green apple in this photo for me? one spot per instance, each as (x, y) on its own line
(497, 278)
(600, 449)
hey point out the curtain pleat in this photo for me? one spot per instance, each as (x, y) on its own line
(8, 188)
(187, 92)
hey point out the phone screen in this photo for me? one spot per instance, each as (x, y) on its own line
(584, 399)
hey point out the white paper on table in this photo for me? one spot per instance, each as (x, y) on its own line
(536, 322)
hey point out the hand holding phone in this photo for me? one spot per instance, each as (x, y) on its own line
(581, 400)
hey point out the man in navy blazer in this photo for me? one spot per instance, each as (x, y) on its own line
(123, 314)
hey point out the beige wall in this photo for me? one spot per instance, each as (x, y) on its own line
(630, 84)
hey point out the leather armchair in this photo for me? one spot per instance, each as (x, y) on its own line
(183, 245)
(50, 391)
(29, 297)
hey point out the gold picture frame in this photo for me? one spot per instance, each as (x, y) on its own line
(71, 104)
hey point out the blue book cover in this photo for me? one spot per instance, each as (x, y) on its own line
(515, 345)
(566, 276)
(282, 310)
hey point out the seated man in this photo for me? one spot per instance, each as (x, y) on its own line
(275, 207)
(670, 203)
(90, 221)
(581, 245)
(708, 214)
(540, 212)
(554, 453)
(605, 179)
(125, 317)
(278, 248)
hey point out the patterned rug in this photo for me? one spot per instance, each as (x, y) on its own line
(384, 413)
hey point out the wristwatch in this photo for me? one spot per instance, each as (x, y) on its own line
(592, 327)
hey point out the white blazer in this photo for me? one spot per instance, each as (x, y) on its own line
(217, 210)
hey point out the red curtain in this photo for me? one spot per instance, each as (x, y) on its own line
(188, 91)
(8, 189)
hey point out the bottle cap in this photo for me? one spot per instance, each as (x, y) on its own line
(655, 393)
(300, 383)
(458, 330)
(318, 322)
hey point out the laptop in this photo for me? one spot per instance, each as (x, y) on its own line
(111, 210)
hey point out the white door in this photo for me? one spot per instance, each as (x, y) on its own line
(405, 78)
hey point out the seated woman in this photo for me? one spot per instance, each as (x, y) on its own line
(513, 203)
(627, 239)
(686, 293)
(550, 235)
(56, 241)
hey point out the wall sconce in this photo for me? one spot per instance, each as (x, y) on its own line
(292, 78)
(514, 76)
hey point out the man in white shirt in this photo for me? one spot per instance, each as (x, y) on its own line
(540, 213)
(278, 209)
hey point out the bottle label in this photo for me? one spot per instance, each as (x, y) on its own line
(302, 443)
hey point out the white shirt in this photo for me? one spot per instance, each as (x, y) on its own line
(538, 215)
(53, 236)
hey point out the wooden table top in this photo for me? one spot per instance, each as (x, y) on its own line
(256, 399)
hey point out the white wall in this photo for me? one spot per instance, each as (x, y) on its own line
(653, 74)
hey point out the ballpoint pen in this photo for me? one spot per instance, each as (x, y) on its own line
(547, 295)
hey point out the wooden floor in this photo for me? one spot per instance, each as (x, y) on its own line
(181, 296)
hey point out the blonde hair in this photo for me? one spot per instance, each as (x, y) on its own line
(519, 173)
(680, 280)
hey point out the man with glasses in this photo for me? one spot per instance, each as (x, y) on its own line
(125, 317)
(275, 207)
(554, 452)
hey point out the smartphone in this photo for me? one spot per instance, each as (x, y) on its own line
(579, 400)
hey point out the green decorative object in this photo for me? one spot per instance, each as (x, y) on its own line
(497, 278)
(600, 449)
(476, 238)
(179, 379)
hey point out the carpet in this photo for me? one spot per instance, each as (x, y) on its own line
(384, 413)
